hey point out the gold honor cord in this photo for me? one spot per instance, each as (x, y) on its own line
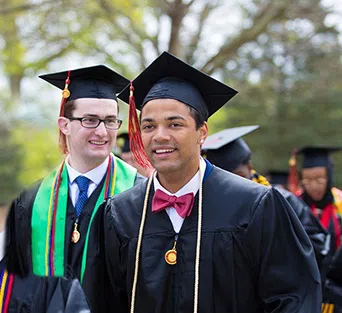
(141, 231)
(198, 243)
(327, 308)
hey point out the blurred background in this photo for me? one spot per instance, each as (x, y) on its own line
(283, 56)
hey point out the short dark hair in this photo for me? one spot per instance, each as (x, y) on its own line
(199, 120)
(69, 107)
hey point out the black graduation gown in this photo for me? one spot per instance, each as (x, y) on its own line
(314, 229)
(332, 291)
(34, 294)
(19, 245)
(255, 255)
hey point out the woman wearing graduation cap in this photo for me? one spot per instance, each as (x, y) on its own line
(196, 238)
(325, 201)
(322, 197)
(49, 226)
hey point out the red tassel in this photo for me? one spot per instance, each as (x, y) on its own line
(65, 95)
(135, 141)
(293, 181)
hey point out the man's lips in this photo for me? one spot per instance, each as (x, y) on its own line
(163, 151)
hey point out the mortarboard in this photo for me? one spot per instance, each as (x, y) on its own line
(168, 77)
(122, 141)
(278, 177)
(226, 149)
(315, 156)
(89, 82)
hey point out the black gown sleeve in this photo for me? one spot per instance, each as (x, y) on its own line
(62, 295)
(332, 291)
(115, 264)
(282, 258)
(18, 233)
(318, 236)
(139, 179)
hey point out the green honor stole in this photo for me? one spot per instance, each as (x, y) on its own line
(49, 215)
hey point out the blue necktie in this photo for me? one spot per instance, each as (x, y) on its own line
(82, 183)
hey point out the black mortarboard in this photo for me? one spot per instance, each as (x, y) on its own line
(122, 141)
(316, 156)
(278, 177)
(168, 77)
(89, 82)
(226, 149)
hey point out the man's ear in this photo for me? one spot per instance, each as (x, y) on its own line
(203, 132)
(64, 125)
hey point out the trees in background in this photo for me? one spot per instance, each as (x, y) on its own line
(283, 56)
(10, 160)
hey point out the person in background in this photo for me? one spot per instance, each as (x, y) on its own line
(319, 193)
(278, 178)
(226, 149)
(49, 225)
(325, 201)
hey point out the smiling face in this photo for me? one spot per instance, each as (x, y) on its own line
(170, 138)
(89, 147)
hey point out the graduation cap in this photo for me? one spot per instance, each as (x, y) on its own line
(226, 149)
(168, 77)
(122, 141)
(88, 82)
(278, 177)
(315, 156)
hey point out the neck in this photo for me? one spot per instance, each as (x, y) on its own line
(3, 215)
(83, 166)
(175, 181)
(328, 198)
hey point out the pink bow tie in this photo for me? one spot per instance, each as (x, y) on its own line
(182, 204)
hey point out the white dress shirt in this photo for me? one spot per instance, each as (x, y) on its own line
(191, 186)
(95, 176)
(2, 244)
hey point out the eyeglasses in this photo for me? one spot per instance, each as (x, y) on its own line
(317, 180)
(93, 122)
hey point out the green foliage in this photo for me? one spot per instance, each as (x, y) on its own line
(41, 153)
(10, 165)
(282, 58)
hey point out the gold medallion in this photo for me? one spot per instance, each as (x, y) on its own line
(66, 93)
(75, 237)
(171, 257)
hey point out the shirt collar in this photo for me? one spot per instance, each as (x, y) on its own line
(95, 175)
(191, 186)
